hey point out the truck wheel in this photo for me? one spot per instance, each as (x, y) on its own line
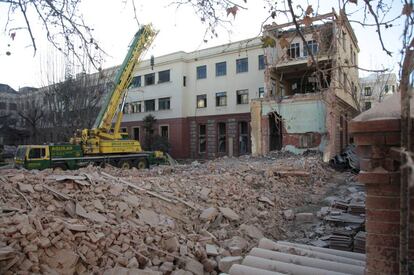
(124, 164)
(142, 164)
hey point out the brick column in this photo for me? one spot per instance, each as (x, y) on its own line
(376, 141)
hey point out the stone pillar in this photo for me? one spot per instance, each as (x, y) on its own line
(232, 140)
(376, 142)
(211, 138)
(255, 126)
(193, 139)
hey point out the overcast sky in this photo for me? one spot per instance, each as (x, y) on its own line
(179, 30)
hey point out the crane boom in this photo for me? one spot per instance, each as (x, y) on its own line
(141, 41)
(103, 138)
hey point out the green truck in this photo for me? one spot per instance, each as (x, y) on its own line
(69, 156)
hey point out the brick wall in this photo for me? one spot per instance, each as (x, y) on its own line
(375, 142)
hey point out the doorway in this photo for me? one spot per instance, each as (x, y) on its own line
(275, 132)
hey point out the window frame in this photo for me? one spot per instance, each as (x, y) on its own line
(12, 106)
(160, 77)
(146, 78)
(145, 105)
(133, 132)
(261, 61)
(261, 92)
(135, 83)
(223, 72)
(240, 99)
(199, 71)
(313, 45)
(221, 137)
(201, 97)
(160, 128)
(367, 91)
(219, 97)
(295, 48)
(241, 66)
(168, 99)
(200, 137)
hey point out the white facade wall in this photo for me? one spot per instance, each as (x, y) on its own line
(183, 98)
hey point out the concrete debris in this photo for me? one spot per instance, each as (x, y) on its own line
(226, 263)
(304, 217)
(339, 225)
(229, 214)
(289, 214)
(211, 250)
(209, 214)
(198, 218)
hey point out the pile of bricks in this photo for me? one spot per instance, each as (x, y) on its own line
(184, 219)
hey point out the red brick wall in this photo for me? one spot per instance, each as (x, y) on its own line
(381, 176)
(178, 134)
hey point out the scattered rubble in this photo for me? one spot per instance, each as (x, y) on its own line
(186, 219)
(340, 225)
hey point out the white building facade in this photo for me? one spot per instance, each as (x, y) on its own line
(200, 99)
(376, 87)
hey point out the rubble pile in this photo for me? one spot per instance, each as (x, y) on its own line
(184, 219)
(339, 224)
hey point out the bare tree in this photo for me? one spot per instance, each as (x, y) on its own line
(73, 104)
(32, 115)
(64, 26)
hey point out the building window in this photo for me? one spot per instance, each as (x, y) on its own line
(221, 68)
(126, 109)
(261, 92)
(393, 88)
(242, 65)
(150, 105)
(132, 107)
(294, 50)
(3, 105)
(261, 62)
(149, 79)
(164, 76)
(164, 103)
(123, 130)
(367, 91)
(243, 137)
(367, 105)
(202, 72)
(184, 81)
(313, 47)
(135, 133)
(136, 82)
(164, 132)
(386, 89)
(221, 129)
(202, 141)
(12, 106)
(201, 101)
(242, 96)
(136, 107)
(221, 99)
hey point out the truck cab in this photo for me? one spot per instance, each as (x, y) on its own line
(32, 157)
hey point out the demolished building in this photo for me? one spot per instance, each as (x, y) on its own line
(311, 93)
